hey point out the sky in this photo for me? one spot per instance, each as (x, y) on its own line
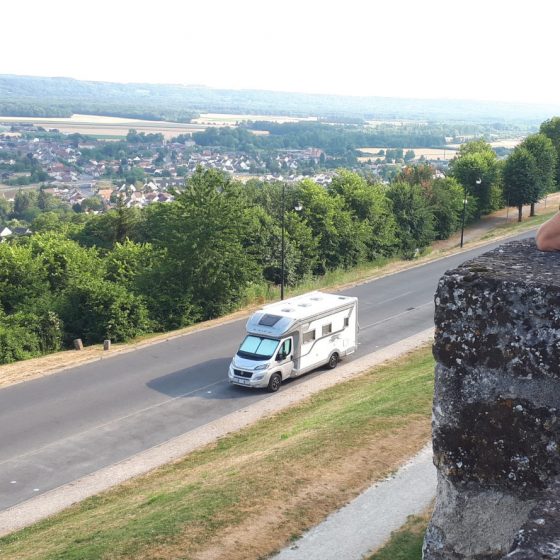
(501, 50)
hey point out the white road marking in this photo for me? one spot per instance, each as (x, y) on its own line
(114, 421)
(395, 316)
(369, 304)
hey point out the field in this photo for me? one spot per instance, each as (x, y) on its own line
(100, 126)
(117, 127)
(443, 154)
(509, 143)
(220, 119)
(8, 192)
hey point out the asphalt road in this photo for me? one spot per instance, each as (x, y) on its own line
(64, 426)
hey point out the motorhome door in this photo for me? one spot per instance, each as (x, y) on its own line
(284, 357)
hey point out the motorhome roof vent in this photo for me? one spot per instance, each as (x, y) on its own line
(304, 305)
(342, 297)
(288, 309)
(268, 320)
(316, 298)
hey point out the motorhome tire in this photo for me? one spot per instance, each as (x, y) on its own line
(333, 361)
(274, 382)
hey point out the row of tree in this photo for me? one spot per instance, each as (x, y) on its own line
(532, 170)
(127, 271)
(336, 140)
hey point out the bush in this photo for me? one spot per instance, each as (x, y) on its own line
(99, 310)
(17, 342)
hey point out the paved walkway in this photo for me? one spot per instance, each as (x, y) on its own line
(367, 522)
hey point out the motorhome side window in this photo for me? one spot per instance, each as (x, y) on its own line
(327, 329)
(308, 337)
(346, 321)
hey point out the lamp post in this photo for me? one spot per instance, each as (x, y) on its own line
(297, 208)
(478, 181)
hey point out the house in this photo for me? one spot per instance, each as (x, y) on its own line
(22, 231)
(105, 194)
(5, 233)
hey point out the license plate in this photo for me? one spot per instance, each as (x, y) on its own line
(242, 381)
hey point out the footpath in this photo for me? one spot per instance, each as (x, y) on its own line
(366, 523)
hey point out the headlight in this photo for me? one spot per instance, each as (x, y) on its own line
(260, 368)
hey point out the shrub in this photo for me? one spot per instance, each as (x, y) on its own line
(99, 310)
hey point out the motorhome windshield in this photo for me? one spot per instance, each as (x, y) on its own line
(258, 348)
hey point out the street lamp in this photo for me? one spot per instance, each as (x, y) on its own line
(478, 181)
(297, 208)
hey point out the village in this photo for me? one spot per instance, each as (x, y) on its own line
(75, 168)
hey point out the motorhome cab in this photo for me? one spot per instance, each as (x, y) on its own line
(294, 336)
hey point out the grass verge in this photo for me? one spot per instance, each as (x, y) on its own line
(513, 226)
(406, 543)
(251, 492)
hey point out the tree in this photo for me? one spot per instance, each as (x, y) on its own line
(114, 226)
(64, 261)
(369, 206)
(415, 221)
(542, 149)
(25, 205)
(520, 179)
(551, 129)
(5, 210)
(203, 239)
(476, 168)
(22, 277)
(47, 221)
(341, 238)
(420, 174)
(94, 203)
(446, 203)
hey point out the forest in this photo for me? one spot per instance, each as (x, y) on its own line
(56, 97)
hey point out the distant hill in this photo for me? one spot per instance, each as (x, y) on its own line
(38, 96)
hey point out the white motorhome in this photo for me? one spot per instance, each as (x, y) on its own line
(294, 336)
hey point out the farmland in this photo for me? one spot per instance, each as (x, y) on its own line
(443, 154)
(106, 126)
(221, 119)
(103, 127)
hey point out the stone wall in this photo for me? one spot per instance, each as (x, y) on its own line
(496, 404)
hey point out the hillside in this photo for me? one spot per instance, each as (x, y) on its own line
(40, 96)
